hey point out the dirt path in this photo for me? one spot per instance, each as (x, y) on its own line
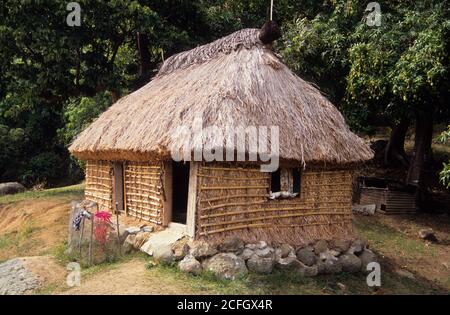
(132, 278)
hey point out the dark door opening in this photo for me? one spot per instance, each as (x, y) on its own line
(180, 186)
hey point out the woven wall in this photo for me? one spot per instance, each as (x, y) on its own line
(143, 191)
(232, 201)
(99, 183)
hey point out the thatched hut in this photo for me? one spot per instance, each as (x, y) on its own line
(233, 81)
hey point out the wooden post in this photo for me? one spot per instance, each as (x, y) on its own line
(90, 241)
(118, 232)
(81, 237)
(168, 193)
(192, 199)
(118, 185)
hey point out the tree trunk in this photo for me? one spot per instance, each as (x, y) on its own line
(395, 149)
(144, 54)
(419, 173)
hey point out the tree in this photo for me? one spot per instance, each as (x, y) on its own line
(380, 75)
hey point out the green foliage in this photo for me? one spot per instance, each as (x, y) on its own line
(375, 74)
(444, 175)
(79, 112)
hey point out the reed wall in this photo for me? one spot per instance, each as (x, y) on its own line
(144, 191)
(99, 183)
(233, 201)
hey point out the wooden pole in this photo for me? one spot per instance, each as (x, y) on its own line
(81, 237)
(271, 10)
(118, 232)
(90, 242)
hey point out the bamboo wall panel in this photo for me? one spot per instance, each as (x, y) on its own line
(233, 201)
(143, 191)
(99, 183)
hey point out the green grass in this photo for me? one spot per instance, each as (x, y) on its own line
(390, 241)
(68, 191)
(282, 282)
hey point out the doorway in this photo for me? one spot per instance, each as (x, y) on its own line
(180, 191)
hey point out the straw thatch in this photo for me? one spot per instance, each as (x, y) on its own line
(234, 81)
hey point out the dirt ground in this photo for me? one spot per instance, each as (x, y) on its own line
(32, 227)
(130, 277)
(39, 227)
(403, 248)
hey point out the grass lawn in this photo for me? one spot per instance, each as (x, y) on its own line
(74, 191)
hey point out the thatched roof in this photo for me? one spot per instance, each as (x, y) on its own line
(234, 81)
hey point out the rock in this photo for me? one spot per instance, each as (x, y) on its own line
(180, 249)
(231, 244)
(305, 271)
(350, 263)
(251, 246)
(148, 229)
(357, 247)
(329, 255)
(260, 265)
(405, 273)
(16, 279)
(367, 256)
(246, 254)
(306, 256)
(132, 230)
(320, 247)
(11, 188)
(164, 255)
(202, 249)
(127, 246)
(428, 235)
(340, 245)
(261, 245)
(226, 266)
(265, 252)
(140, 239)
(286, 263)
(285, 250)
(190, 265)
(341, 286)
(329, 266)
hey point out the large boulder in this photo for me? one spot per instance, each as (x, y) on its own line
(180, 249)
(140, 239)
(367, 256)
(340, 245)
(190, 265)
(357, 247)
(226, 266)
(11, 188)
(260, 265)
(163, 254)
(231, 244)
(306, 271)
(428, 235)
(202, 249)
(128, 244)
(265, 252)
(306, 256)
(246, 253)
(285, 250)
(350, 263)
(329, 266)
(287, 263)
(320, 247)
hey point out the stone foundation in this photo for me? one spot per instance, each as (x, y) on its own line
(234, 258)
